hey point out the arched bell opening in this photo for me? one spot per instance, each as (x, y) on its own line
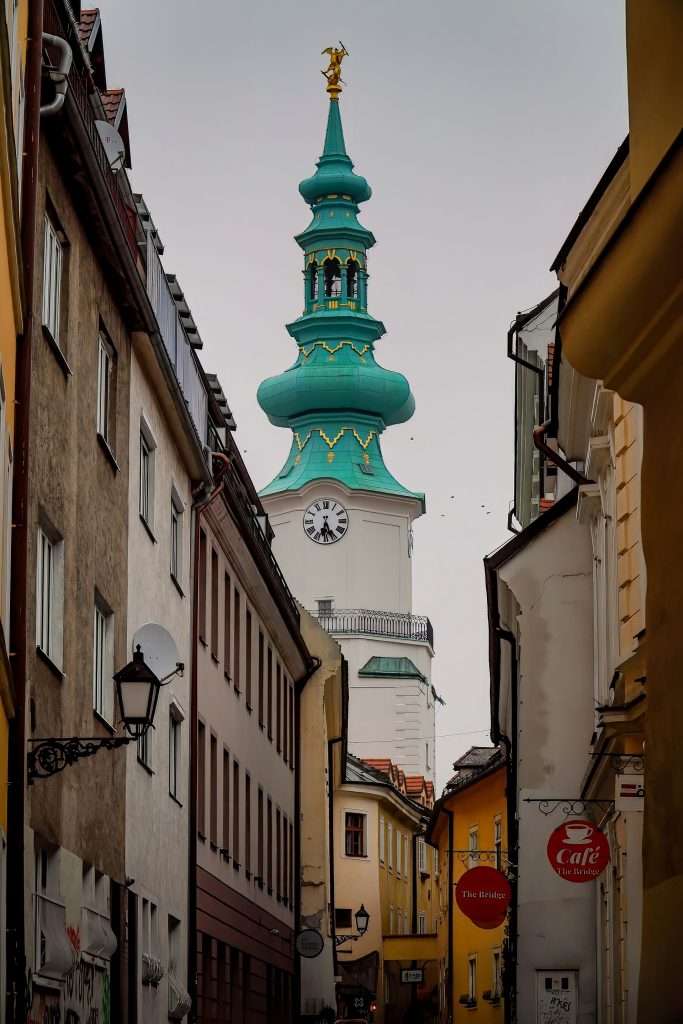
(352, 278)
(332, 278)
(312, 282)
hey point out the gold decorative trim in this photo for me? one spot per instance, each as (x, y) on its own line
(331, 350)
(332, 441)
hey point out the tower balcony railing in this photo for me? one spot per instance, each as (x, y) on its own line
(395, 625)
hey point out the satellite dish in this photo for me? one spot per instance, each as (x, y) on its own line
(158, 649)
(113, 144)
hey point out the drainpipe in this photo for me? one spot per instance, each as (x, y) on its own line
(330, 846)
(299, 684)
(555, 457)
(200, 505)
(60, 75)
(17, 982)
(512, 824)
(451, 916)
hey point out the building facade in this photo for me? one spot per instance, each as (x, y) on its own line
(471, 958)
(343, 524)
(383, 865)
(251, 663)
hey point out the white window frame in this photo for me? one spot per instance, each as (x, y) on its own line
(472, 976)
(421, 851)
(53, 267)
(146, 492)
(381, 840)
(175, 749)
(421, 920)
(435, 858)
(103, 660)
(50, 594)
(391, 920)
(473, 845)
(405, 858)
(390, 846)
(105, 368)
(399, 850)
(176, 538)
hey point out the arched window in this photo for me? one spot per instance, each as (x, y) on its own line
(332, 278)
(352, 270)
(313, 281)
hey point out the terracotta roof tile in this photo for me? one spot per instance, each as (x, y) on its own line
(85, 25)
(111, 101)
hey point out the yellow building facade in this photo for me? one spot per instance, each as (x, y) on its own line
(469, 829)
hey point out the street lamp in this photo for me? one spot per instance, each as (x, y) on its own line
(137, 691)
(362, 921)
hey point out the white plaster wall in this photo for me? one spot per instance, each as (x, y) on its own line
(551, 580)
(156, 823)
(370, 567)
(357, 878)
(392, 718)
(224, 713)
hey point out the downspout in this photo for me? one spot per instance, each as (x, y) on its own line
(17, 982)
(512, 820)
(330, 847)
(413, 921)
(199, 506)
(299, 684)
(451, 917)
(60, 75)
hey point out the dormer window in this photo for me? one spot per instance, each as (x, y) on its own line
(332, 278)
(313, 281)
(352, 270)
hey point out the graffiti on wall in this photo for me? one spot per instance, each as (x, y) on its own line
(85, 996)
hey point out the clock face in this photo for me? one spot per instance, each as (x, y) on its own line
(326, 521)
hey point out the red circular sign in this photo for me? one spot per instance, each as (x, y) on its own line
(578, 851)
(484, 894)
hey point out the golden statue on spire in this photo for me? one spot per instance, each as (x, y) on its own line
(333, 71)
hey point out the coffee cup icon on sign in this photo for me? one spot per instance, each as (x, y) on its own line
(578, 834)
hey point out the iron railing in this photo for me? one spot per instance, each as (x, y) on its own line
(397, 625)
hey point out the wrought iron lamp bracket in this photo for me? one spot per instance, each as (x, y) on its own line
(52, 755)
(624, 762)
(339, 940)
(569, 806)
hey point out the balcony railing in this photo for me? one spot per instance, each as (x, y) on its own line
(396, 625)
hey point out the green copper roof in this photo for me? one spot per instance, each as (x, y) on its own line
(394, 668)
(336, 398)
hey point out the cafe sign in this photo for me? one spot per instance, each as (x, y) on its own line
(578, 851)
(483, 894)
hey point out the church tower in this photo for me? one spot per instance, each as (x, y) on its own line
(342, 522)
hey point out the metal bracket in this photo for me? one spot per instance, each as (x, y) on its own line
(54, 754)
(622, 762)
(568, 805)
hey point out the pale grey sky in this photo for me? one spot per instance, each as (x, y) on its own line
(482, 126)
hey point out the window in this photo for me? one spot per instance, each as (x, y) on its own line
(174, 749)
(237, 634)
(472, 978)
(498, 842)
(174, 964)
(103, 661)
(202, 587)
(213, 791)
(105, 366)
(405, 922)
(214, 604)
(227, 592)
(247, 654)
(176, 537)
(226, 803)
(278, 855)
(269, 847)
(291, 728)
(342, 917)
(278, 716)
(313, 281)
(247, 824)
(285, 727)
(53, 951)
(145, 749)
(390, 846)
(427, 761)
(435, 856)
(270, 693)
(259, 839)
(381, 840)
(405, 859)
(235, 815)
(420, 923)
(147, 447)
(399, 850)
(52, 279)
(473, 847)
(201, 779)
(355, 834)
(391, 920)
(285, 860)
(260, 678)
(421, 856)
(352, 279)
(324, 606)
(50, 594)
(496, 976)
(332, 274)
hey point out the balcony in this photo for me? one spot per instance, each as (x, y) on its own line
(393, 625)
